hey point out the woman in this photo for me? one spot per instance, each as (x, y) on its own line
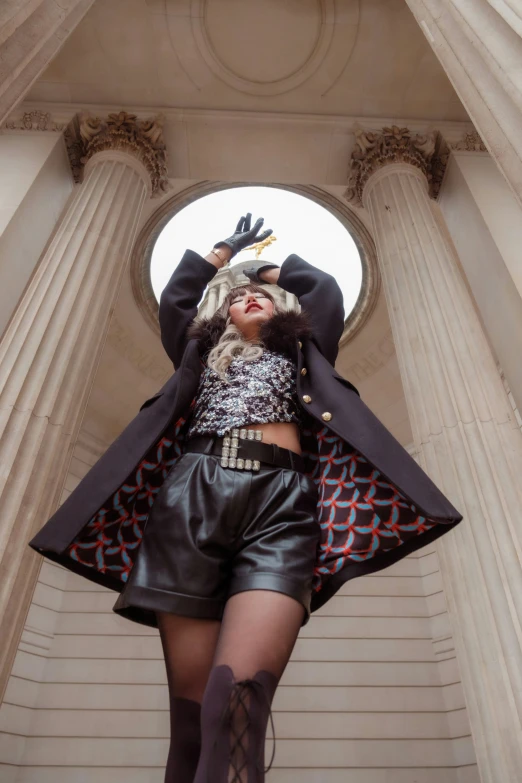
(235, 551)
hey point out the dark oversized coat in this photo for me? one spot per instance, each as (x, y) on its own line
(375, 503)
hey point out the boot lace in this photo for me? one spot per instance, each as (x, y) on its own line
(239, 695)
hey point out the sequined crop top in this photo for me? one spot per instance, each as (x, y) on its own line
(259, 391)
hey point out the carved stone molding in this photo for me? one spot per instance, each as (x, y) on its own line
(470, 143)
(374, 149)
(34, 120)
(320, 51)
(86, 135)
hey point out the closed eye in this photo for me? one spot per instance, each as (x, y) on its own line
(240, 298)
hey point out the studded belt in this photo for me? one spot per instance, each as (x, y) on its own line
(241, 449)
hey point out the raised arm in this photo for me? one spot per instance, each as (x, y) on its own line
(319, 294)
(180, 298)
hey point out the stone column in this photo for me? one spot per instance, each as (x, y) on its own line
(31, 34)
(223, 291)
(464, 431)
(51, 348)
(212, 300)
(479, 45)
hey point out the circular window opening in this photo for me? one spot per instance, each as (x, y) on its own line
(300, 226)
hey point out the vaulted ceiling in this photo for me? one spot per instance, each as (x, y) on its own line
(364, 58)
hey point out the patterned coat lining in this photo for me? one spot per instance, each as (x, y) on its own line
(362, 515)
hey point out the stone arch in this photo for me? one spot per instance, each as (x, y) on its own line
(144, 245)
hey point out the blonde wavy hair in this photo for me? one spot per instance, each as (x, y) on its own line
(232, 343)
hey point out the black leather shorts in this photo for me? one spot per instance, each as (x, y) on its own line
(215, 531)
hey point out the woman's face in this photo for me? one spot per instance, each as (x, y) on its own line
(249, 310)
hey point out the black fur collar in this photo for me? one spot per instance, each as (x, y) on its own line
(278, 333)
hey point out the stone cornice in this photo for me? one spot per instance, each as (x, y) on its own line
(393, 144)
(87, 135)
(471, 142)
(34, 120)
(64, 112)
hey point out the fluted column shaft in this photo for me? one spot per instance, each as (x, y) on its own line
(469, 444)
(48, 358)
(479, 45)
(212, 300)
(223, 291)
(31, 33)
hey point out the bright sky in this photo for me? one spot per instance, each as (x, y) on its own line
(300, 225)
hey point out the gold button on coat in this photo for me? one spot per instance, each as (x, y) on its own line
(306, 398)
(326, 416)
(304, 371)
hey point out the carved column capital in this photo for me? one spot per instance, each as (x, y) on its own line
(374, 149)
(123, 132)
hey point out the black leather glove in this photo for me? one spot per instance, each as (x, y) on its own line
(253, 273)
(244, 236)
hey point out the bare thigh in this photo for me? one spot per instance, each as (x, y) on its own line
(189, 646)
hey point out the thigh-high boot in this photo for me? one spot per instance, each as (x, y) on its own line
(234, 716)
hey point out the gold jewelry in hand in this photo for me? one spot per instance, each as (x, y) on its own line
(260, 246)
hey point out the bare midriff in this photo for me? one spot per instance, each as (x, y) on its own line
(284, 434)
